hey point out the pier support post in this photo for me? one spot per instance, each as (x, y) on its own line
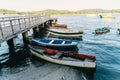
(50, 22)
(55, 21)
(43, 25)
(46, 25)
(35, 32)
(25, 38)
(10, 43)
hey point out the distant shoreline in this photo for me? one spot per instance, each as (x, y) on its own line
(50, 11)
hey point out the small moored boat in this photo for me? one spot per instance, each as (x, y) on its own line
(65, 31)
(55, 43)
(118, 30)
(59, 25)
(102, 30)
(65, 36)
(107, 16)
(64, 58)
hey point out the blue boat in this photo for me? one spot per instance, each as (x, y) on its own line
(118, 30)
(55, 43)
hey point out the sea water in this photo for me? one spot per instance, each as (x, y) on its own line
(106, 48)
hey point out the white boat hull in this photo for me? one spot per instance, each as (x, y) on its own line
(65, 35)
(83, 64)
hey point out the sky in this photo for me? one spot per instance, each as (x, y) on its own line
(73, 5)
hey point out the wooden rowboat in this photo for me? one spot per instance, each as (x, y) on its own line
(102, 30)
(64, 58)
(65, 31)
(56, 43)
(59, 25)
(65, 36)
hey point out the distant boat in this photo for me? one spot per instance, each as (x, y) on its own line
(118, 30)
(91, 15)
(56, 43)
(102, 30)
(59, 25)
(65, 31)
(64, 58)
(107, 16)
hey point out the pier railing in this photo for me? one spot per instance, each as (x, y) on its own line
(10, 26)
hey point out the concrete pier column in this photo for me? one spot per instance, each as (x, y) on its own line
(10, 43)
(25, 38)
(46, 25)
(43, 25)
(50, 22)
(55, 21)
(35, 32)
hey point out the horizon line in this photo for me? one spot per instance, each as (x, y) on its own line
(59, 9)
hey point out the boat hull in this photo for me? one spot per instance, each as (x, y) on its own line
(64, 36)
(107, 16)
(63, 62)
(65, 31)
(56, 46)
(101, 32)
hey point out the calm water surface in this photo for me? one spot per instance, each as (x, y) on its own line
(106, 47)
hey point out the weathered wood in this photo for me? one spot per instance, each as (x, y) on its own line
(12, 26)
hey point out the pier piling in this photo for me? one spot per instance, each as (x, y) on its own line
(10, 43)
(25, 38)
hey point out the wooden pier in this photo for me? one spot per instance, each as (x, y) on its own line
(11, 26)
(14, 25)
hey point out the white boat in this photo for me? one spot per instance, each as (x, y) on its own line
(91, 15)
(107, 16)
(65, 31)
(64, 36)
(64, 58)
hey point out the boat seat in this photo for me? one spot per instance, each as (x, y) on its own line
(51, 42)
(88, 60)
(63, 42)
(57, 55)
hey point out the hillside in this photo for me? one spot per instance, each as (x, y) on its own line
(5, 11)
(50, 11)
